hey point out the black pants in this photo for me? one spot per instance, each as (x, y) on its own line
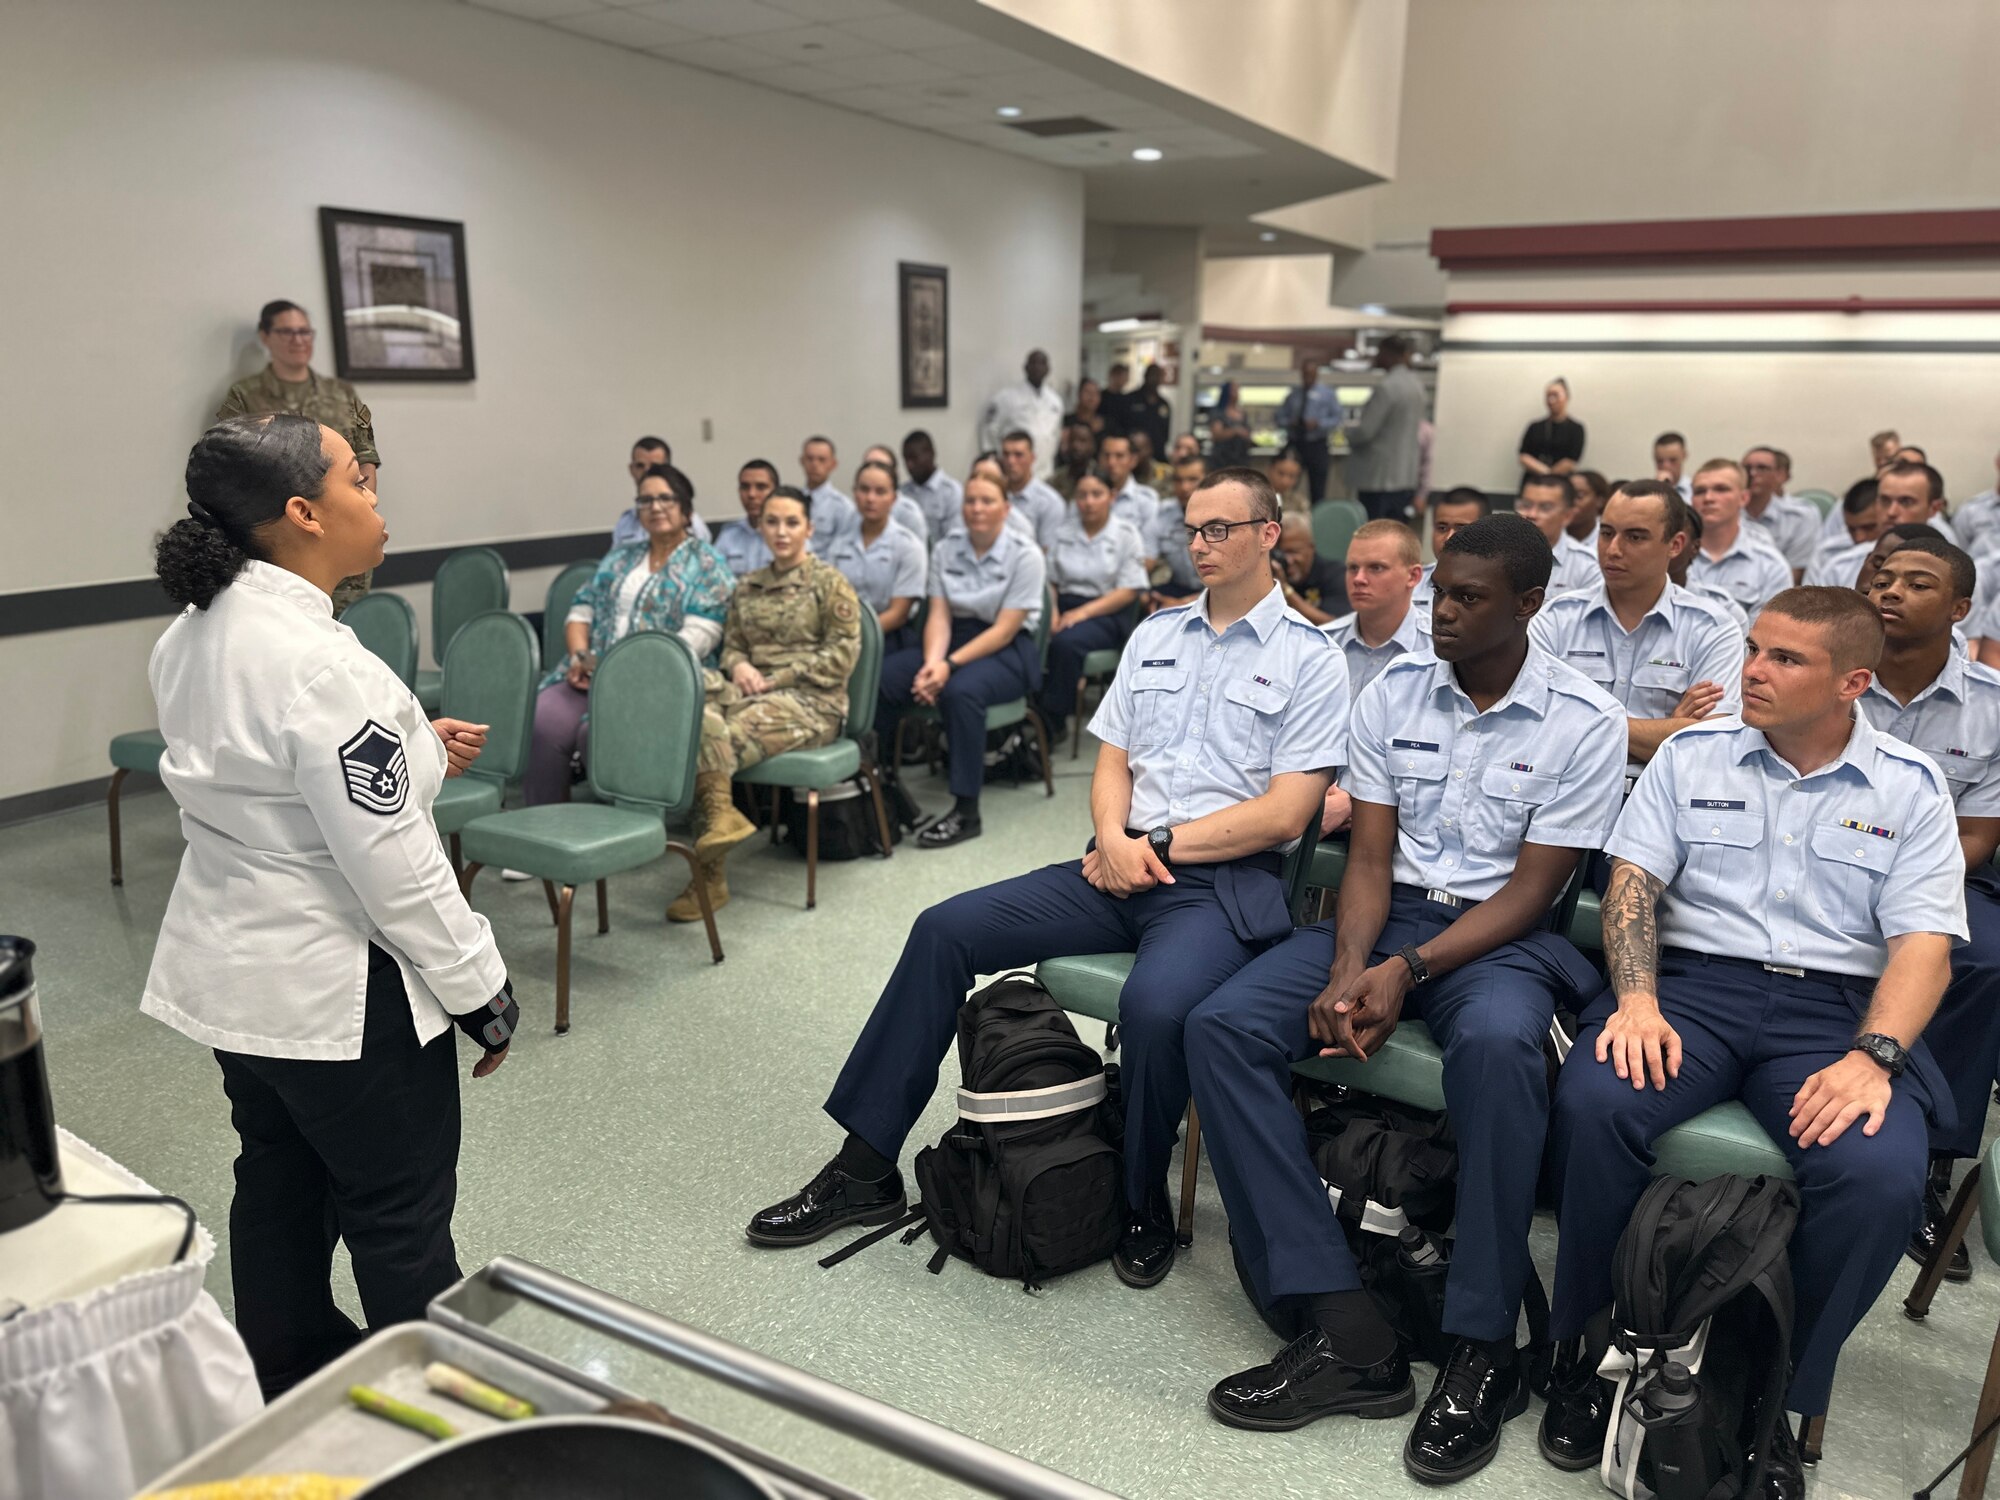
(1386, 505)
(363, 1151)
(1313, 454)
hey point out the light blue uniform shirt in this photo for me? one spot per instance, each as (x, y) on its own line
(1138, 504)
(1839, 563)
(628, 528)
(940, 497)
(1092, 566)
(1544, 765)
(1320, 405)
(1751, 571)
(1170, 545)
(1011, 575)
(833, 517)
(1806, 872)
(1043, 508)
(1575, 569)
(1978, 522)
(1956, 722)
(1420, 600)
(909, 515)
(1683, 639)
(892, 567)
(1365, 662)
(1206, 719)
(742, 547)
(1792, 526)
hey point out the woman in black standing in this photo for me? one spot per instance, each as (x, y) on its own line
(1553, 445)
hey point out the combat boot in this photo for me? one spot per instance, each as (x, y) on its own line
(709, 873)
(719, 825)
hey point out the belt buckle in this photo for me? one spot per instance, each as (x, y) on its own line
(1444, 898)
(1783, 969)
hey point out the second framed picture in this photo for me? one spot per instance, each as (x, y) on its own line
(923, 315)
(397, 295)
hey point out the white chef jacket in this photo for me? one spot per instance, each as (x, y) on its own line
(305, 771)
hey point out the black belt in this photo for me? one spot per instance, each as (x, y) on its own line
(1267, 860)
(1756, 965)
(1441, 898)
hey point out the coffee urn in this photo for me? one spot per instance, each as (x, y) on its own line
(30, 1174)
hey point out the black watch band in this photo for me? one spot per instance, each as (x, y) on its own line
(1419, 970)
(1161, 840)
(1886, 1050)
(493, 1025)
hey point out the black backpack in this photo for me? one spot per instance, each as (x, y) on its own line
(1028, 1184)
(1701, 1337)
(847, 826)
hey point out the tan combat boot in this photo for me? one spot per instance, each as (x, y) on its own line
(720, 827)
(709, 872)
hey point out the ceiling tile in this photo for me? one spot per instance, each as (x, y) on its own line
(624, 29)
(808, 45)
(830, 11)
(540, 10)
(717, 18)
(882, 67)
(719, 57)
(979, 58)
(905, 32)
(795, 80)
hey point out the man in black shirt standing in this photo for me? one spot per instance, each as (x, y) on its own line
(1150, 412)
(1553, 445)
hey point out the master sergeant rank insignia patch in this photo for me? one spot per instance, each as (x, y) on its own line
(378, 776)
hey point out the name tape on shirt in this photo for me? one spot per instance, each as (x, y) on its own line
(1594, 655)
(1162, 661)
(377, 773)
(1860, 827)
(1413, 744)
(1717, 804)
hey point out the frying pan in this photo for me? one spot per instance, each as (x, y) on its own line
(587, 1458)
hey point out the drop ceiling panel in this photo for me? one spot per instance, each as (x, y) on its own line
(883, 68)
(834, 11)
(905, 33)
(794, 80)
(540, 10)
(622, 28)
(807, 45)
(720, 57)
(979, 58)
(719, 18)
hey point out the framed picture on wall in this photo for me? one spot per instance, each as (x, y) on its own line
(923, 314)
(396, 293)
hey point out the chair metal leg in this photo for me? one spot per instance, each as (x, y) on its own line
(1979, 1462)
(1190, 1164)
(466, 877)
(457, 855)
(1964, 1203)
(562, 959)
(873, 777)
(117, 839)
(1042, 743)
(1076, 721)
(603, 909)
(896, 748)
(700, 887)
(777, 808)
(1812, 1439)
(549, 890)
(812, 847)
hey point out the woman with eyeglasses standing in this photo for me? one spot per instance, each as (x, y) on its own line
(672, 581)
(287, 384)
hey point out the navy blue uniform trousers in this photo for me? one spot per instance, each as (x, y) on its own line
(1014, 671)
(1490, 1018)
(1746, 1033)
(1964, 1035)
(1068, 648)
(1188, 937)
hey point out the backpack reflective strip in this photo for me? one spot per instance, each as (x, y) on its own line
(1376, 1218)
(1030, 1104)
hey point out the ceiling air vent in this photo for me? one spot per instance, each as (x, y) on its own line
(1065, 125)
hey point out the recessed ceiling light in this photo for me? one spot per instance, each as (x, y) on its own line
(1267, 236)
(1148, 153)
(1009, 111)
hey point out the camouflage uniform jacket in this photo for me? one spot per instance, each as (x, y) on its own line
(801, 628)
(331, 403)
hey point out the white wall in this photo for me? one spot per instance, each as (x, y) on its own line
(649, 247)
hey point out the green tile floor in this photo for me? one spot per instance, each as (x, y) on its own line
(629, 1153)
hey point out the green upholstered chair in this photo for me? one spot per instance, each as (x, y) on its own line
(139, 750)
(1099, 667)
(563, 589)
(387, 626)
(645, 735)
(813, 771)
(1089, 985)
(999, 715)
(490, 669)
(1334, 523)
(1824, 499)
(469, 582)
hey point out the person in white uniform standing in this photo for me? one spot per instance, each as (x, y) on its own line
(316, 938)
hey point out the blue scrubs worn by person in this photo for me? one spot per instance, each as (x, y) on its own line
(1480, 772)
(741, 543)
(1735, 556)
(1096, 571)
(939, 495)
(885, 562)
(316, 938)
(987, 587)
(833, 513)
(1786, 890)
(1220, 735)
(1927, 694)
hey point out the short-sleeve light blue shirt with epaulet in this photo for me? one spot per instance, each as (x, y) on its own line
(833, 517)
(909, 515)
(893, 566)
(1138, 504)
(1575, 568)
(1365, 662)
(1792, 525)
(1955, 720)
(1206, 719)
(1544, 765)
(1805, 872)
(1011, 575)
(1092, 566)
(1169, 544)
(941, 497)
(1683, 639)
(1838, 564)
(742, 547)
(1043, 508)
(1751, 570)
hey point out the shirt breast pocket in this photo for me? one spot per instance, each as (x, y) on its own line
(1419, 776)
(1718, 862)
(1254, 713)
(1509, 799)
(1657, 689)
(1849, 868)
(1961, 772)
(1158, 705)
(1595, 665)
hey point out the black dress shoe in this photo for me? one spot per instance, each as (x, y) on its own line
(1145, 1250)
(952, 828)
(1577, 1416)
(1458, 1431)
(1307, 1381)
(1931, 1231)
(1784, 1472)
(829, 1201)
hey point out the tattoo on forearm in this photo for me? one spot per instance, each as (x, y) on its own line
(1632, 928)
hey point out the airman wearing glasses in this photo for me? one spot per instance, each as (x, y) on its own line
(288, 384)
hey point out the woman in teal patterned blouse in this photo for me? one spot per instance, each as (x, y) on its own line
(672, 582)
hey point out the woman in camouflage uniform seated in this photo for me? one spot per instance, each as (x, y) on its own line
(791, 639)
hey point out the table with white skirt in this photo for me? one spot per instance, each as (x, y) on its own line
(115, 1364)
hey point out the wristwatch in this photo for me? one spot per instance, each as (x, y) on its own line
(1161, 840)
(1886, 1050)
(1419, 970)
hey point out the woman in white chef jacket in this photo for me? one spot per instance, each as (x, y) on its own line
(315, 937)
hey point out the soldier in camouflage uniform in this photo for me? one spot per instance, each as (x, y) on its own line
(789, 645)
(288, 384)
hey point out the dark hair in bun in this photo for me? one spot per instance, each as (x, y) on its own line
(239, 476)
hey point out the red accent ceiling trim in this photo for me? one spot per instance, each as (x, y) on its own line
(1962, 234)
(1739, 305)
(1292, 338)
